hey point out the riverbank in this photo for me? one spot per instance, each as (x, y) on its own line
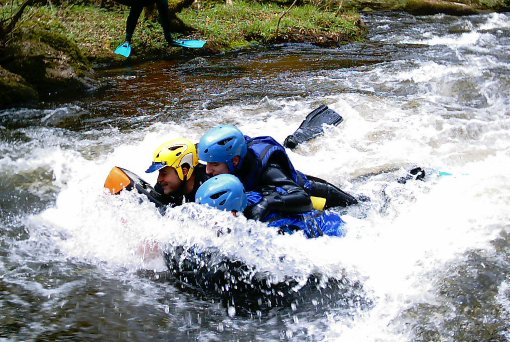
(55, 50)
(98, 32)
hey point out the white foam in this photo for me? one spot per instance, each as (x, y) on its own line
(409, 231)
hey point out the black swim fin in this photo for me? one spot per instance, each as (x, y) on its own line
(416, 173)
(312, 126)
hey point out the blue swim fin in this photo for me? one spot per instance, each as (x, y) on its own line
(444, 173)
(189, 43)
(123, 50)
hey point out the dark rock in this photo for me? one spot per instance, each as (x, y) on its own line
(45, 63)
(15, 90)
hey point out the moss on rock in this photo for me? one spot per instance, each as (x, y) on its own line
(61, 43)
(51, 63)
(15, 90)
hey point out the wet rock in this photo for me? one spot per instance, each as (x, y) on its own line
(45, 63)
(15, 90)
(429, 7)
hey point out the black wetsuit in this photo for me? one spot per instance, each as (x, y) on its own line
(335, 197)
(136, 9)
(179, 198)
(294, 201)
(264, 150)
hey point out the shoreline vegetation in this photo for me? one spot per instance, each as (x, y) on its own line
(51, 49)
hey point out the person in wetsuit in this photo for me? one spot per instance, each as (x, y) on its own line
(262, 165)
(134, 14)
(180, 174)
(226, 192)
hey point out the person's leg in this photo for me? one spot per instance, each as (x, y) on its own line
(134, 14)
(164, 20)
(334, 196)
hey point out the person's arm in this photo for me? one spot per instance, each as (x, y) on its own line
(280, 193)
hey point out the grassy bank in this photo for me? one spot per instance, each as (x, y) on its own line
(252, 23)
(98, 31)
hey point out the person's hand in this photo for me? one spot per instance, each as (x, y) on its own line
(259, 211)
(149, 250)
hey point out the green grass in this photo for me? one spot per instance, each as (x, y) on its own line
(98, 31)
(247, 21)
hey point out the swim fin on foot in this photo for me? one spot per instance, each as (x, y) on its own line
(416, 173)
(189, 43)
(123, 49)
(312, 126)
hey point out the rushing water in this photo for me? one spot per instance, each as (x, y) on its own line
(422, 261)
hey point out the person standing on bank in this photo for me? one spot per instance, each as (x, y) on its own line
(132, 20)
(135, 11)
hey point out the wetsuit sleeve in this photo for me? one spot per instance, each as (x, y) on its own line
(292, 200)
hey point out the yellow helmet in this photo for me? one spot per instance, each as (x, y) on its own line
(175, 153)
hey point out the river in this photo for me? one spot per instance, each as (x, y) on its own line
(421, 261)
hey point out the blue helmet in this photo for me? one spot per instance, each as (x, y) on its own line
(221, 144)
(223, 192)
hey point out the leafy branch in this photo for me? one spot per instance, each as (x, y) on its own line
(8, 25)
(283, 14)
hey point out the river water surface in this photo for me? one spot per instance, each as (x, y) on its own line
(422, 261)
